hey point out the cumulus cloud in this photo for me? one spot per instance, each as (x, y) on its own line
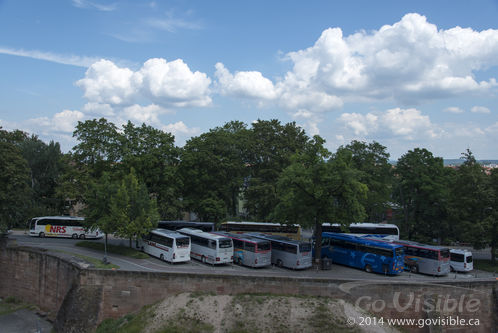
(244, 84)
(407, 124)
(409, 62)
(144, 114)
(179, 128)
(158, 81)
(62, 122)
(480, 109)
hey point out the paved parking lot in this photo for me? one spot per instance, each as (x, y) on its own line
(56, 245)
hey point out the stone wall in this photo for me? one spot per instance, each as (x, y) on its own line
(36, 278)
(79, 299)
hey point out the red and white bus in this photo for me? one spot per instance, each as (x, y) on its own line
(249, 251)
(426, 259)
(61, 226)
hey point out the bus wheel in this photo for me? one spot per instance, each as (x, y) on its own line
(279, 263)
(41, 234)
(414, 269)
(368, 268)
(161, 257)
(82, 236)
(385, 269)
(74, 236)
(203, 259)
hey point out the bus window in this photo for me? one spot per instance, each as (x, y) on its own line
(264, 246)
(304, 247)
(225, 243)
(182, 242)
(251, 247)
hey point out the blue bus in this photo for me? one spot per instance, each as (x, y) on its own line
(363, 253)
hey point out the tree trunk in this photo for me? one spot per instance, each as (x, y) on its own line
(318, 242)
(130, 241)
(493, 254)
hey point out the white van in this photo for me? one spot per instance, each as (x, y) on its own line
(461, 260)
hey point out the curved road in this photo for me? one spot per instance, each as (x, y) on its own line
(66, 248)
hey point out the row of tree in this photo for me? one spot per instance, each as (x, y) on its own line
(130, 177)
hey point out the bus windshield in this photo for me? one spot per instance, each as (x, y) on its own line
(263, 246)
(225, 243)
(304, 247)
(182, 242)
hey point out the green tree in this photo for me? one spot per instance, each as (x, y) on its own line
(270, 147)
(45, 164)
(314, 189)
(15, 192)
(153, 155)
(472, 204)
(422, 190)
(98, 147)
(372, 161)
(213, 170)
(491, 218)
(99, 211)
(132, 209)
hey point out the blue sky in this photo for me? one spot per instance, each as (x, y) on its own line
(405, 74)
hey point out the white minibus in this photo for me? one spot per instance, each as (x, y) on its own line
(461, 260)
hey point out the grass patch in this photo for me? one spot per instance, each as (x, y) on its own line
(116, 249)
(486, 265)
(130, 323)
(11, 304)
(97, 263)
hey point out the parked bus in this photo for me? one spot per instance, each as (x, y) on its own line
(461, 260)
(286, 252)
(209, 248)
(386, 231)
(166, 245)
(287, 230)
(62, 226)
(426, 259)
(175, 225)
(249, 251)
(364, 253)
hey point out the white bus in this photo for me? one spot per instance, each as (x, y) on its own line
(382, 230)
(62, 226)
(249, 251)
(209, 248)
(461, 260)
(166, 245)
(286, 252)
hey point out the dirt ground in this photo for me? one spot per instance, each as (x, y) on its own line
(256, 313)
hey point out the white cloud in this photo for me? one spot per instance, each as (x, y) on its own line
(107, 83)
(94, 5)
(409, 62)
(360, 124)
(173, 83)
(454, 109)
(480, 109)
(73, 60)
(407, 124)
(158, 81)
(62, 123)
(144, 114)
(179, 128)
(244, 84)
